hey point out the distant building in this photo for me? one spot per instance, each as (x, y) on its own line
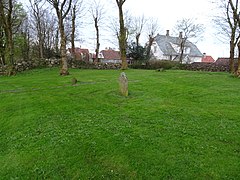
(207, 59)
(166, 47)
(225, 61)
(81, 54)
(110, 56)
(93, 57)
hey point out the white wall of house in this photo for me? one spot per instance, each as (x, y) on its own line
(189, 60)
(196, 59)
(157, 53)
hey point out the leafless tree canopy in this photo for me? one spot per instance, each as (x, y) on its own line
(190, 29)
(152, 29)
(228, 25)
(234, 6)
(138, 25)
(98, 12)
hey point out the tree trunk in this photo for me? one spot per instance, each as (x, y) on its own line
(73, 32)
(56, 43)
(2, 46)
(150, 42)
(122, 37)
(40, 47)
(137, 39)
(9, 38)
(40, 34)
(123, 51)
(64, 68)
(11, 47)
(182, 44)
(61, 14)
(237, 73)
(98, 42)
(231, 60)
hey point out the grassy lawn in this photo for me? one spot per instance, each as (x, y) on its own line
(173, 125)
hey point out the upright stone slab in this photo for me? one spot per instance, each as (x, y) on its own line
(74, 81)
(123, 84)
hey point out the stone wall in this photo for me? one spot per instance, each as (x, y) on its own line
(197, 66)
(44, 63)
(212, 67)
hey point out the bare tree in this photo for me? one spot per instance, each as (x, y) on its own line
(50, 31)
(236, 15)
(43, 29)
(138, 24)
(234, 28)
(188, 30)
(97, 12)
(73, 14)
(38, 14)
(76, 13)
(228, 29)
(153, 27)
(114, 27)
(22, 46)
(122, 36)
(62, 9)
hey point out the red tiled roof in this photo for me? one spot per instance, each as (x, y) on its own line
(208, 59)
(222, 61)
(81, 54)
(225, 60)
(79, 50)
(111, 54)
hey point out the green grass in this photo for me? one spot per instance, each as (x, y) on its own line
(173, 125)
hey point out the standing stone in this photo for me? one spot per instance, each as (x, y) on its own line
(74, 81)
(123, 84)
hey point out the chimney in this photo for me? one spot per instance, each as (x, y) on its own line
(180, 35)
(167, 33)
(204, 55)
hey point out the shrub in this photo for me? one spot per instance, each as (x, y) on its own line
(156, 65)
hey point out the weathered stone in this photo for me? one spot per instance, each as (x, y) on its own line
(74, 81)
(160, 70)
(123, 84)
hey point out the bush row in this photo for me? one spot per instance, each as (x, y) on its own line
(157, 65)
(197, 66)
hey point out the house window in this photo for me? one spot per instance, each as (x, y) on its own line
(187, 50)
(155, 49)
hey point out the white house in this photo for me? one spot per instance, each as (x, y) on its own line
(166, 47)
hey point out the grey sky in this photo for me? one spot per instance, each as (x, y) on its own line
(167, 13)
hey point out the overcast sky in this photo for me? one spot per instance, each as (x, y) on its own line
(167, 13)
